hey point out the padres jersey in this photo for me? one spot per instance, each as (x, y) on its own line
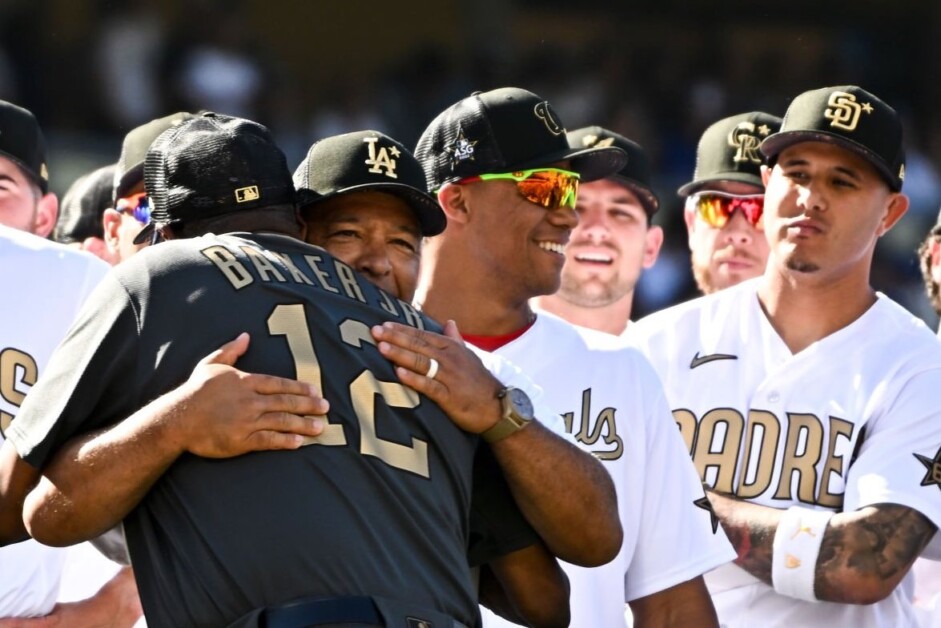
(851, 421)
(614, 406)
(378, 506)
(43, 285)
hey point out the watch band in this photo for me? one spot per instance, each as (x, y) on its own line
(514, 418)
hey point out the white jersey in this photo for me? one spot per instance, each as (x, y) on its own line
(44, 284)
(613, 404)
(851, 421)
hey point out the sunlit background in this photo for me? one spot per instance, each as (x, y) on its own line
(658, 72)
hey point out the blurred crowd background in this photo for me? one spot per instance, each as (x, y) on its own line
(657, 72)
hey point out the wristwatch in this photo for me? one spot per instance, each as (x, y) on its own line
(517, 414)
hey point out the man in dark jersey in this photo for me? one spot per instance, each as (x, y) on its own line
(284, 274)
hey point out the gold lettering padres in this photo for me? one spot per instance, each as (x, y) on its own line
(844, 112)
(742, 454)
(381, 158)
(745, 142)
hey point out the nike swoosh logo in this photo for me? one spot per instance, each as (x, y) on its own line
(699, 360)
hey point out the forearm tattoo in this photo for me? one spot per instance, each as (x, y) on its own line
(880, 546)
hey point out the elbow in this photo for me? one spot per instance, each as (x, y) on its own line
(859, 591)
(598, 548)
(40, 527)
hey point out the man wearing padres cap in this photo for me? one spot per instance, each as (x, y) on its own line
(409, 479)
(613, 242)
(507, 181)
(808, 400)
(724, 202)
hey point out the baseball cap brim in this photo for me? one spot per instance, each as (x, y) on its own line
(591, 163)
(772, 146)
(738, 177)
(30, 174)
(430, 216)
(647, 198)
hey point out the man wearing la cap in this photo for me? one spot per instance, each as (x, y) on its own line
(724, 200)
(363, 197)
(506, 179)
(613, 242)
(809, 401)
(196, 176)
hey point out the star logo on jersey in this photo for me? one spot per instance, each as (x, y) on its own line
(699, 360)
(704, 503)
(933, 477)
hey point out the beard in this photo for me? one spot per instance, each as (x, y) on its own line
(591, 293)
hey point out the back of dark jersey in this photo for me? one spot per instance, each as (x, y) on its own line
(377, 505)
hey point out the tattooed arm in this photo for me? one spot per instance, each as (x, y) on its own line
(863, 557)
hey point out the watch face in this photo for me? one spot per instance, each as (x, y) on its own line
(521, 400)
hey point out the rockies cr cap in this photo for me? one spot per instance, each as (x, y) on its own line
(728, 151)
(850, 117)
(504, 130)
(366, 161)
(130, 167)
(212, 165)
(83, 205)
(635, 175)
(22, 141)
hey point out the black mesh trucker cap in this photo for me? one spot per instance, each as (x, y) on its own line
(213, 165)
(504, 130)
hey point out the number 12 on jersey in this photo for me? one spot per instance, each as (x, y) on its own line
(290, 321)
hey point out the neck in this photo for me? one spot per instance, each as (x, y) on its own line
(612, 318)
(452, 289)
(803, 310)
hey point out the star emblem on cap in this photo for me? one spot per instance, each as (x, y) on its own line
(764, 130)
(704, 503)
(461, 149)
(395, 151)
(867, 107)
(933, 477)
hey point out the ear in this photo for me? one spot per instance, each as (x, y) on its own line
(47, 212)
(690, 218)
(895, 209)
(765, 175)
(454, 201)
(653, 240)
(111, 222)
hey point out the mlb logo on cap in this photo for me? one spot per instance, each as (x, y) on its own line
(250, 193)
